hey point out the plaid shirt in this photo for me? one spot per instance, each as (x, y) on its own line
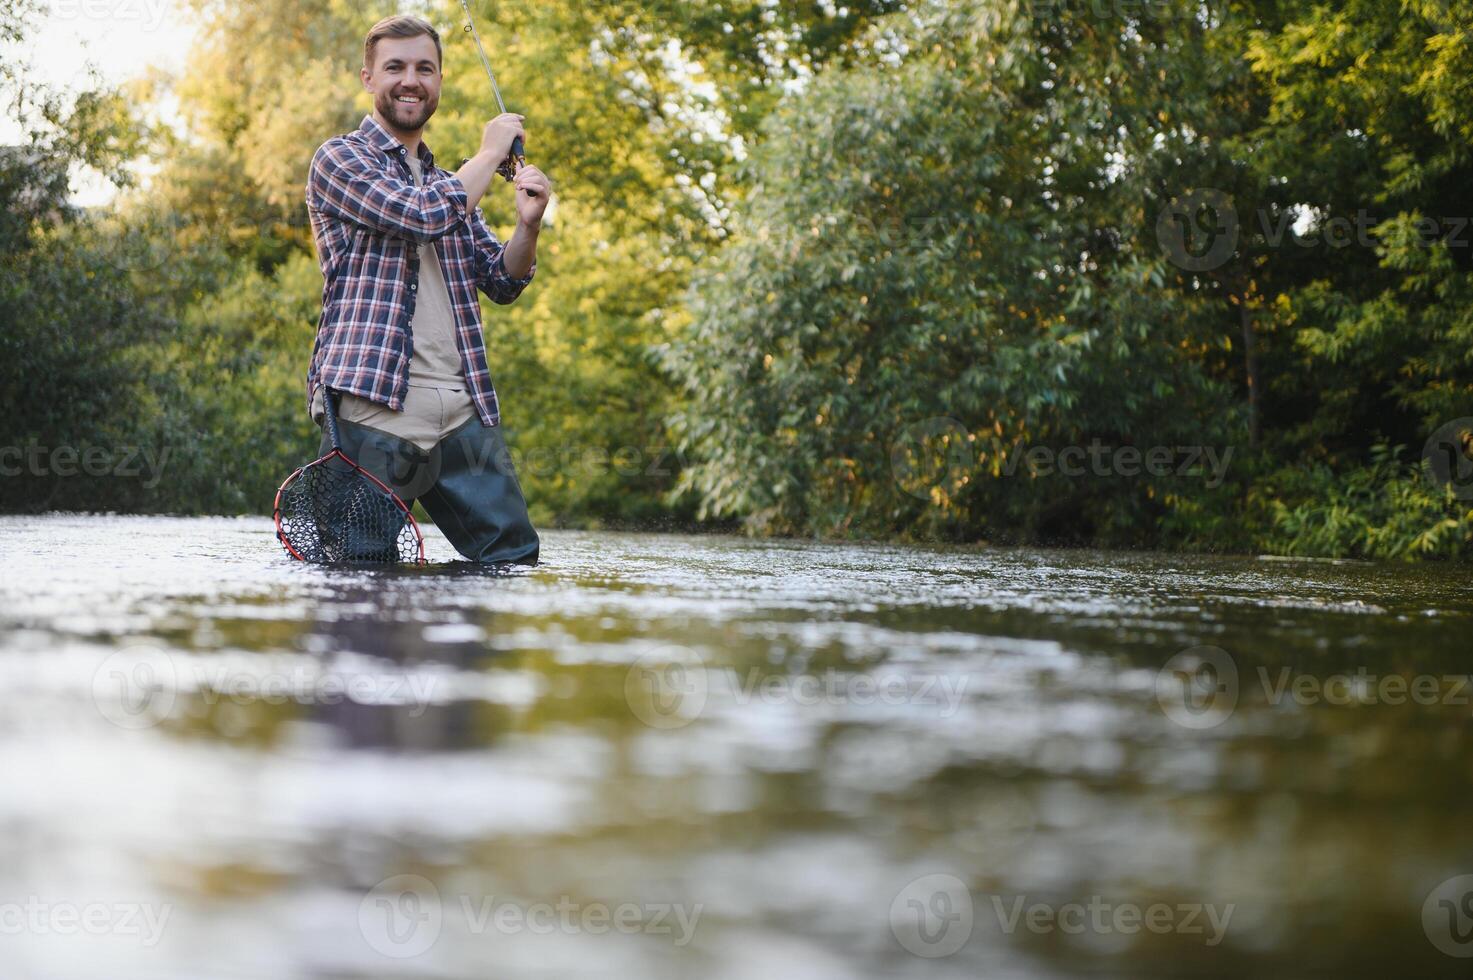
(369, 219)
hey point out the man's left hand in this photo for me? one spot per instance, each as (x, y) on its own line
(529, 181)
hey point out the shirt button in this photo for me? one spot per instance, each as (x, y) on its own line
(413, 286)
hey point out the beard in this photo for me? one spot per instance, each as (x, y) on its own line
(406, 118)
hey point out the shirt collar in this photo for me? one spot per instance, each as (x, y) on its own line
(386, 141)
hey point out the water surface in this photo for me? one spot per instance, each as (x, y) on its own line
(663, 756)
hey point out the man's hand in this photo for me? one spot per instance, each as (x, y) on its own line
(532, 188)
(500, 133)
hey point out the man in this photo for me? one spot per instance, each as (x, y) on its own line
(403, 248)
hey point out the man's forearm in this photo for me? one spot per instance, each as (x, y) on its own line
(476, 174)
(521, 251)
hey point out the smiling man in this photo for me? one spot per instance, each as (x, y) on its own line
(403, 248)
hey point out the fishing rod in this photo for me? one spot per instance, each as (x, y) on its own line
(516, 159)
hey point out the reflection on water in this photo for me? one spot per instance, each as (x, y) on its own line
(660, 756)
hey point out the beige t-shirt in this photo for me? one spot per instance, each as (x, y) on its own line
(436, 360)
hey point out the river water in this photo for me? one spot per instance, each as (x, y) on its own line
(663, 756)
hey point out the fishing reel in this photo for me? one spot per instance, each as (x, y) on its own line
(514, 161)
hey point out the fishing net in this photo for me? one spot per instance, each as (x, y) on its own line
(333, 510)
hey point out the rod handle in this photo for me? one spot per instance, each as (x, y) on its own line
(518, 158)
(330, 411)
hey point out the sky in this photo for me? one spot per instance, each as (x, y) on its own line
(122, 38)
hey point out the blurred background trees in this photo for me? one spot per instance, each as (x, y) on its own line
(816, 268)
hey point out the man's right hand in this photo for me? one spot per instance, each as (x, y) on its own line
(500, 134)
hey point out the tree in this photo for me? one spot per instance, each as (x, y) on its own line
(948, 261)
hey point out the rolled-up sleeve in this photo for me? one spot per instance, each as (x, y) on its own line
(491, 275)
(347, 183)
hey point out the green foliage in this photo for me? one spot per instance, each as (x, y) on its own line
(827, 366)
(72, 328)
(817, 270)
(1388, 509)
(938, 242)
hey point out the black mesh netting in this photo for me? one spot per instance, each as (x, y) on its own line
(330, 511)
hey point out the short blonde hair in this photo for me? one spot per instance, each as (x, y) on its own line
(400, 25)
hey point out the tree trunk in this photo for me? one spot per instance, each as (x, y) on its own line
(1250, 361)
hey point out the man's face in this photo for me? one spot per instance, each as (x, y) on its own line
(404, 81)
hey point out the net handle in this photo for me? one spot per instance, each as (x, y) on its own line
(330, 410)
